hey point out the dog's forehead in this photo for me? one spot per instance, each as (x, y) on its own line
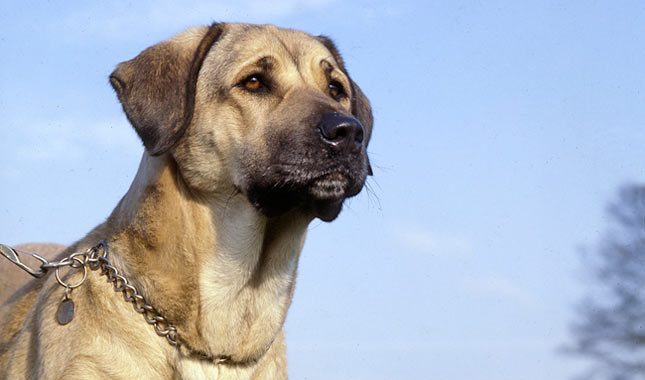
(243, 44)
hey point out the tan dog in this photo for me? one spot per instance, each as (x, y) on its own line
(251, 132)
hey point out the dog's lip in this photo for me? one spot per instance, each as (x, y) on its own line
(327, 210)
(329, 187)
(321, 195)
(285, 186)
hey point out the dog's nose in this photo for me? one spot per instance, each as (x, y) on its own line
(343, 133)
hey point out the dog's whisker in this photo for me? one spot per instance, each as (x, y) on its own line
(372, 197)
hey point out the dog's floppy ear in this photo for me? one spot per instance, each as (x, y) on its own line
(361, 108)
(157, 88)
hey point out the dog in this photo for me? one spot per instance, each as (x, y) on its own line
(250, 133)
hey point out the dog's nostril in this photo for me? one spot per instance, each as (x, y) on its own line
(340, 133)
(335, 132)
(359, 136)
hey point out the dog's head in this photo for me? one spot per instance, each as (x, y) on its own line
(270, 112)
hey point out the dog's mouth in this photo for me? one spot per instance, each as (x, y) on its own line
(322, 196)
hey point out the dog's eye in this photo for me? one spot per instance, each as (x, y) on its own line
(336, 90)
(254, 83)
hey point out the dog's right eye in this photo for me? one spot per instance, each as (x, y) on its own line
(336, 90)
(254, 83)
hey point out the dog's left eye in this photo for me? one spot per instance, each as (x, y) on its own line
(336, 90)
(254, 83)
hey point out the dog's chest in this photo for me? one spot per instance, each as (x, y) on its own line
(241, 315)
(195, 369)
(246, 287)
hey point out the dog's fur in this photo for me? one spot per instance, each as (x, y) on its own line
(211, 228)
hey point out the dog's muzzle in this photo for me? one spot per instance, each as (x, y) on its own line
(315, 170)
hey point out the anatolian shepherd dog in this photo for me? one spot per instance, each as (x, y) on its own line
(250, 132)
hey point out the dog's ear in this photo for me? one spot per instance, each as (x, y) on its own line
(157, 88)
(361, 108)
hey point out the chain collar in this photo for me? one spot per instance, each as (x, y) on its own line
(96, 258)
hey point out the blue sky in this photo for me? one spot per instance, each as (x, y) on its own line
(502, 129)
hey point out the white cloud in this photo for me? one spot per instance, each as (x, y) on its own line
(9, 172)
(127, 22)
(283, 8)
(498, 287)
(71, 140)
(421, 240)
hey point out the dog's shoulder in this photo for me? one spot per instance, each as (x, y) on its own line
(19, 294)
(14, 314)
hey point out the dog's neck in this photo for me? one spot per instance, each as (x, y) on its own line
(220, 271)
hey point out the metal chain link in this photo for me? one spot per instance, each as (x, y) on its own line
(131, 294)
(96, 258)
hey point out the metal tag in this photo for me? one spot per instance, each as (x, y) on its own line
(65, 312)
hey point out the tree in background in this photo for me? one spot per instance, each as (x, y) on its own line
(610, 329)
